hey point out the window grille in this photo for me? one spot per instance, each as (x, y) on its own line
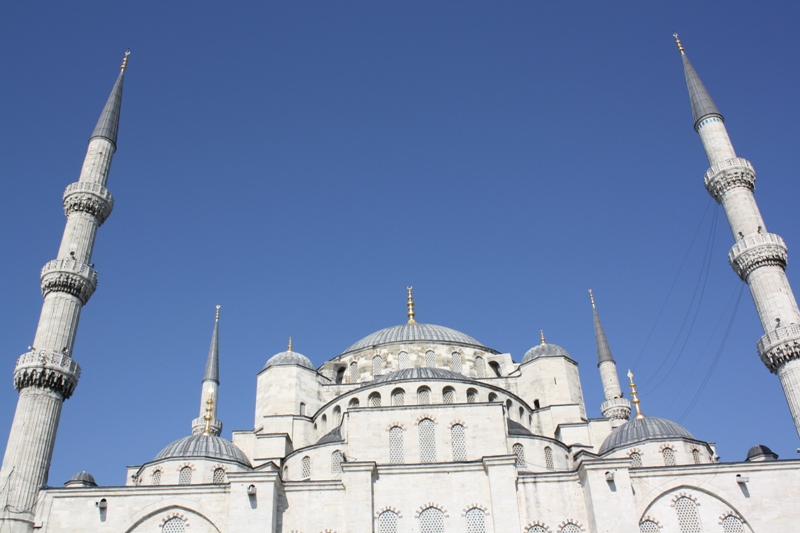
(156, 479)
(472, 396)
(323, 423)
(456, 362)
(387, 522)
(302, 409)
(353, 372)
(636, 460)
(570, 528)
(185, 476)
(336, 462)
(354, 403)
(398, 397)
(430, 359)
(375, 399)
(449, 395)
(548, 458)
(519, 451)
(219, 476)
(337, 416)
(687, 515)
(669, 456)
(648, 526)
(731, 524)
(403, 358)
(427, 441)
(459, 442)
(306, 467)
(480, 367)
(431, 520)
(174, 525)
(424, 396)
(396, 456)
(492, 397)
(696, 456)
(476, 521)
(377, 364)
(537, 529)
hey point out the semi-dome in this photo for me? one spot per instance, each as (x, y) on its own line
(643, 429)
(545, 350)
(203, 446)
(289, 357)
(415, 332)
(419, 372)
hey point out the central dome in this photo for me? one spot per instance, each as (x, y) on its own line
(206, 446)
(415, 332)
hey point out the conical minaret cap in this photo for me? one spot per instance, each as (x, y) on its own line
(108, 125)
(603, 350)
(212, 364)
(702, 104)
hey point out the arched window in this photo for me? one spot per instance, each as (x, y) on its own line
(548, 458)
(696, 456)
(521, 415)
(396, 456)
(732, 524)
(456, 362)
(302, 409)
(492, 397)
(430, 359)
(403, 359)
(431, 520)
(669, 456)
(353, 403)
(156, 478)
(648, 526)
(174, 525)
(398, 397)
(423, 396)
(480, 367)
(495, 367)
(353, 372)
(387, 522)
(427, 441)
(219, 476)
(519, 451)
(377, 365)
(337, 416)
(536, 404)
(509, 412)
(336, 462)
(636, 460)
(476, 521)
(688, 518)
(449, 395)
(459, 440)
(323, 423)
(472, 396)
(375, 399)
(306, 465)
(570, 528)
(537, 529)
(340, 375)
(185, 476)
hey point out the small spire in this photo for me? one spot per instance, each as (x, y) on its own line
(635, 397)
(125, 60)
(702, 105)
(603, 349)
(290, 344)
(108, 124)
(410, 307)
(212, 363)
(541, 335)
(678, 42)
(209, 417)
(591, 297)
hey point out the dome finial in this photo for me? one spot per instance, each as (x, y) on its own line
(290, 344)
(591, 297)
(635, 397)
(410, 306)
(125, 60)
(541, 336)
(217, 315)
(678, 42)
(208, 418)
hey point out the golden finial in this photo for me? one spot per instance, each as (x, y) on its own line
(635, 397)
(125, 60)
(591, 297)
(410, 307)
(217, 317)
(678, 42)
(290, 344)
(541, 335)
(208, 418)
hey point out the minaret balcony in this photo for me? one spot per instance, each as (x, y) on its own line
(87, 197)
(50, 370)
(70, 276)
(729, 174)
(780, 346)
(756, 250)
(616, 408)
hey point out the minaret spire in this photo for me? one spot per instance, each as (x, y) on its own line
(47, 375)
(635, 396)
(410, 306)
(758, 257)
(615, 406)
(207, 423)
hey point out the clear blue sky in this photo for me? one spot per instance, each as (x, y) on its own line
(301, 163)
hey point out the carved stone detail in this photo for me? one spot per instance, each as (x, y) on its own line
(90, 198)
(616, 408)
(756, 250)
(70, 276)
(729, 174)
(49, 370)
(780, 346)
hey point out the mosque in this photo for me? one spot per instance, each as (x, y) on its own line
(416, 427)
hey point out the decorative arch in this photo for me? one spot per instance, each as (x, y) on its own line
(422, 417)
(459, 422)
(474, 506)
(157, 512)
(537, 526)
(569, 525)
(388, 508)
(396, 424)
(669, 496)
(428, 506)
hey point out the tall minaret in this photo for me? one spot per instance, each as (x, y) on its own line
(615, 407)
(758, 257)
(210, 389)
(47, 374)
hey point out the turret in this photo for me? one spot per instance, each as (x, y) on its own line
(615, 406)
(210, 389)
(758, 257)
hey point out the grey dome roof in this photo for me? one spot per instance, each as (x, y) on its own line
(210, 446)
(419, 372)
(643, 429)
(545, 350)
(415, 333)
(84, 479)
(289, 357)
(759, 451)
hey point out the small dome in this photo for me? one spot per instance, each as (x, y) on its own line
(415, 332)
(81, 479)
(419, 372)
(204, 446)
(643, 429)
(545, 350)
(759, 452)
(289, 357)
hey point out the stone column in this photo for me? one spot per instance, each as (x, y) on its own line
(358, 479)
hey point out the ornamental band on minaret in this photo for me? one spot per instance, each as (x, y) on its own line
(758, 257)
(47, 375)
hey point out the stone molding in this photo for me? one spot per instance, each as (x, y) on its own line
(780, 346)
(683, 494)
(729, 174)
(385, 508)
(69, 276)
(472, 506)
(616, 408)
(175, 514)
(91, 198)
(648, 518)
(569, 521)
(48, 370)
(428, 506)
(537, 523)
(756, 250)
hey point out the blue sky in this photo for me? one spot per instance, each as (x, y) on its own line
(301, 163)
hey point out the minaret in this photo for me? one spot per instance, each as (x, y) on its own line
(615, 406)
(210, 390)
(758, 257)
(47, 375)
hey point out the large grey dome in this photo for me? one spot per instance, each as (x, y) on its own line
(545, 350)
(416, 333)
(419, 372)
(289, 357)
(643, 429)
(210, 447)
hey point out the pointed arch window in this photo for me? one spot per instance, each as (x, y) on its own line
(306, 466)
(174, 525)
(336, 462)
(519, 452)
(472, 396)
(353, 372)
(424, 396)
(156, 478)
(456, 362)
(430, 359)
(669, 456)
(476, 521)
(427, 441)
(521, 415)
(459, 440)
(480, 367)
(377, 365)
(398, 397)
(449, 395)
(219, 476)
(337, 416)
(732, 524)
(403, 359)
(548, 458)
(431, 520)
(492, 397)
(636, 460)
(688, 518)
(353, 403)
(323, 423)
(648, 526)
(375, 399)
(396, 454)
(340, 375)
(495, 368)
(185, 476)
(302, 409)
(696, 456)
(387, 522)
